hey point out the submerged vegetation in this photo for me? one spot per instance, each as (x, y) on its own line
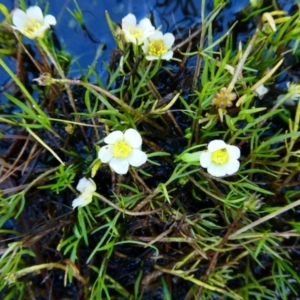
(176, 177)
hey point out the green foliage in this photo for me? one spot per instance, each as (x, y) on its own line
(169, 220)
(63, 178)
(77, 14)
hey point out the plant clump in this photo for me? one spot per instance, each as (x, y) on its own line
(174, 176)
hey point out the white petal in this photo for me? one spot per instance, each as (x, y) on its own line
(144, 37)
(129, 21)
(82, 184)
(129, 37)
(233, 151)
(19, 18)
(82, 200)
(216, 145)
(205, 159)
(169, 40)
(151, 57)
(133, 138)
(147, 32)
(156, 35)
(119, 165)
(137, 158)
(85, 184)
(90, 187)
(145, 24)
(146, 44)
(35, 13)
(295, 97)
(49, 20)
(167, 56)
(39, 32)
(77, 202)
(145, 47)
(105, 153)
(289, 101)
(217, 171)
(114, 137)
(232, 167)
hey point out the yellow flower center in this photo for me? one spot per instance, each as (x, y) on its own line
(157, 48)
(136, 33)
(121, 149)
(31, 26)
(220, 157)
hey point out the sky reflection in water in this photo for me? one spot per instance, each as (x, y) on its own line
(177, 17)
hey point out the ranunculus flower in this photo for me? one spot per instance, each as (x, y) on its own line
(136, 33)
(32, 23)
(86, 187)
(220, 159)
(294, 91)
(159, 45)
(122, 150)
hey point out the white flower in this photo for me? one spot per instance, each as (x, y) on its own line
(290, 101)
(158, 46)
(86, 187)
(294, 91)
(32, 23)
(220, 159)
(136, 33)
(261, 90)
(123, 150)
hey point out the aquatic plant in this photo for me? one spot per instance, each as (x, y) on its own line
(220, 159)
(159, 45)
(86, 187)
(136, 33)
(121, 186)
(123, 150)
(32, 23)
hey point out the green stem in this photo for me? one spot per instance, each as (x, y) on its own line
(264, 219)
(125, 211)
(108, 95)
(67, 87)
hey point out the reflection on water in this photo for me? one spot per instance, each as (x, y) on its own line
(84, 43)
(95, 39)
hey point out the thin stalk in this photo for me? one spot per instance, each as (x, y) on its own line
(214, 259)
(202, 37)
(67, 87)
(195, 125)
(125, 211)
(293, 128)
(241, 63)
(264, 219)
(107, 94)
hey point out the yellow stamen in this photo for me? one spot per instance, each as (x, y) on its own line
(137, 33)
(157, 48)
(220, 157)
(121, 149)
(31, 26)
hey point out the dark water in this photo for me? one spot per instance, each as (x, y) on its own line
(84, 43)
